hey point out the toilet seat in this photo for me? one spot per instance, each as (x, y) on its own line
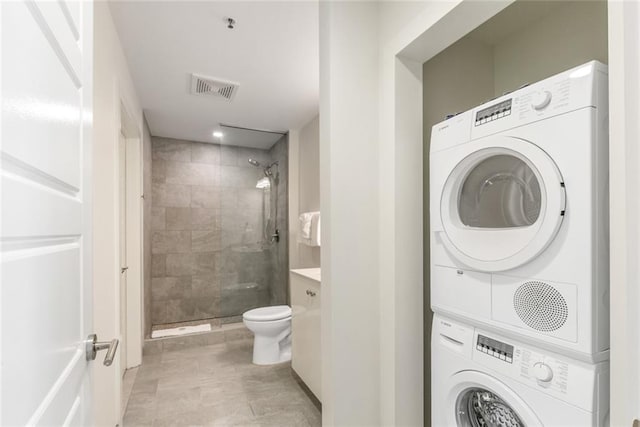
(268, 314)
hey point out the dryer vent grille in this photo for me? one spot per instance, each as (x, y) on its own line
(540, 306)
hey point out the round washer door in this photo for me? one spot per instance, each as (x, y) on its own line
(502, 204)
(476, 399)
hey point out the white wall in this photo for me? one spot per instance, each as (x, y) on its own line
(308, 187)
(146, 220)
(624, 157)
(349, 200)
(371, 196)
(112, 84)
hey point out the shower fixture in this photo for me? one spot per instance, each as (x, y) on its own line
(267, 169)
(269, 182)
(263, 183)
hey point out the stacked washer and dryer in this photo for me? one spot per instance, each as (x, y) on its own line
(520, 257)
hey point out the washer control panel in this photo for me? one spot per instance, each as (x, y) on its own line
(495, 348)
(544, 370)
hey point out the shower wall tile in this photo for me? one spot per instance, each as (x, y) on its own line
(164, 242)
(229, 200)
(205, 153)
(171, 149)
(239, 176)
(159, 171)
(205, 307)
(205, 219)
(207, 285)
(168, 195)
(180, 264)
(210, 258)
(250, 199)
(228, 280)
(166, 288)
(191, 173)
(229, 156)
(181, 309)
(158, 265)
(205, 241)
(280, 252)
(178, 218)
(205, 197)
(158, 218)
(204, 263)
(227, 263)
(158, 311)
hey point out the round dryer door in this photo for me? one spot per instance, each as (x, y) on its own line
(479, 400)
(502, 204)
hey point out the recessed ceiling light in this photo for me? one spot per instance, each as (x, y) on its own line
(217, 134)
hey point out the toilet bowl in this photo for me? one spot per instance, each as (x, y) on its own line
(271, 327)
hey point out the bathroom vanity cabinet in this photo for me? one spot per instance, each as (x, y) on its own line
(305, 327)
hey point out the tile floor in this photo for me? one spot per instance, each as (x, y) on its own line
(217, 385)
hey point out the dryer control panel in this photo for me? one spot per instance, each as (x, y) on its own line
(493, 112)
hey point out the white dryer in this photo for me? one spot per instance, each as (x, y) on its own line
(479, 379)
(519, 214)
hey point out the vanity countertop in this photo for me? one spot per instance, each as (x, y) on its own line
(310, 273)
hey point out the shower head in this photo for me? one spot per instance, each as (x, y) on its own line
(254, 162)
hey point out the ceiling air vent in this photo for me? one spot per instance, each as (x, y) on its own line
(201, 85)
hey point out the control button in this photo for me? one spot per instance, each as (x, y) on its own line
(542, 372)
(510, 360)
(490, 352)
(541, 100)
(503, 357)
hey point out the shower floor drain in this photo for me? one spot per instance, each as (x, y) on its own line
(182, 330)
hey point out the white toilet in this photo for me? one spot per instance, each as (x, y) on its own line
(271, 327)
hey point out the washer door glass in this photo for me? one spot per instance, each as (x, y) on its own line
(501, 191)
(478, 407)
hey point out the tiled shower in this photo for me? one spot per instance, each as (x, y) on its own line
(212, 252)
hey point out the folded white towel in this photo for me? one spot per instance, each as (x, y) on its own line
(315, 230)
(304, 228)
(308, 228)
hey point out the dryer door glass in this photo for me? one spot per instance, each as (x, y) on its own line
(478, 407)
(501, 204)
(500, 192)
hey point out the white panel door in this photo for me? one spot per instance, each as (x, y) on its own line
(45, 294)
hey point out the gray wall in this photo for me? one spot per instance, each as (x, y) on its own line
(280, 252)
(209, 255)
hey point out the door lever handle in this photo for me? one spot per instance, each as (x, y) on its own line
(93, 346)
(123, 269)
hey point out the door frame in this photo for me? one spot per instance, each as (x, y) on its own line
(405, 305)
(624, 209)
(438, 26)
(134, 227)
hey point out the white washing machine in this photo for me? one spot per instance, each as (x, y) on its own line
(519, 214)
(479, 379)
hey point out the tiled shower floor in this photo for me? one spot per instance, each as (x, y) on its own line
(217, 385)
